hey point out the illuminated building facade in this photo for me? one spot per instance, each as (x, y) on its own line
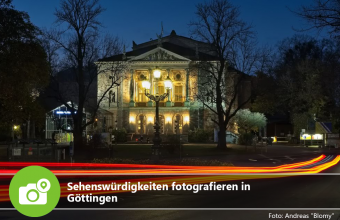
(129, 108)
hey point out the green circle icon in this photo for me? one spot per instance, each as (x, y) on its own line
(34, 191)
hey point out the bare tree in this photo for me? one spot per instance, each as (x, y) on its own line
(220, 80)
(78, 45)
(322, 14)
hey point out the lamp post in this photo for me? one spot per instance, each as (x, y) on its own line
(157, 98)
(168, 85)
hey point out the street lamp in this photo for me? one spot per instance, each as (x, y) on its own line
(14, 129)
(168, 86)
(157, 73)
(157, 98)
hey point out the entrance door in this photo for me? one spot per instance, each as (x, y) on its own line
(141, 124)
(177, 124)
(161, 123)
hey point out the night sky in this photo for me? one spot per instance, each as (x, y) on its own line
(140, 20)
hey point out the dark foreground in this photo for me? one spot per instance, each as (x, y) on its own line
(312, 197)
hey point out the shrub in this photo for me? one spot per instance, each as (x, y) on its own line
(245, 139)
(120, 135)
(199, 135)
(96, 141)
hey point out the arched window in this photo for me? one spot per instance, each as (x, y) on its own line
(141, 124)
(161, 123)
(177, 124)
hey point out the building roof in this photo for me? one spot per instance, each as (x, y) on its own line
(180, 45)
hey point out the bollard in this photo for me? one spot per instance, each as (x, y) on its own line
(30, 151)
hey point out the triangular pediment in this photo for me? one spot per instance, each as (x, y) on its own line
(159, 54)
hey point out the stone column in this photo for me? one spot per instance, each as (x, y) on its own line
(187, 101)
(168, 103)
(149, 104)
(132, 90)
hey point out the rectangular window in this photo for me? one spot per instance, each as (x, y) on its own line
(141, 95)
(161, 91)
(178, 93)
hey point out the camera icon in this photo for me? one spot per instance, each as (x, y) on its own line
(34, 193)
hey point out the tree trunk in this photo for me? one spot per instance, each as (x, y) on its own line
(78, 130)
(33, 130)
(222, 143)
(28, 128)
(78, 140)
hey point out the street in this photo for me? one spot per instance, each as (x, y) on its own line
(274, 195)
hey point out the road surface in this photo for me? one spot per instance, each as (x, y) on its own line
(314, 196)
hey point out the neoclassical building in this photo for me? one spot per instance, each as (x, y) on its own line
(126, 106)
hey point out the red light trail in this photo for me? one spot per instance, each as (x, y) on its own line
(200, 174)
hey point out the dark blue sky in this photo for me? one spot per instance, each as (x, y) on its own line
(139, 20)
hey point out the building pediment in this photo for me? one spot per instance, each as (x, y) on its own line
(159, 54)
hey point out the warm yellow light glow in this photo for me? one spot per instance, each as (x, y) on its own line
(146, 84)
(317, 137)
(186, 119)
(150, 120)
(168, 83)
(306, 137)
(15, 127)
(168, 119)
(157, 73)
(274, 139)
(311, 137)
(132, 119)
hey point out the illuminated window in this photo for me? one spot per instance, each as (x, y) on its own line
(141, 93)
(178, 93)
(177, 124)
(161, 123)
(161, 91)
(141, 124)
